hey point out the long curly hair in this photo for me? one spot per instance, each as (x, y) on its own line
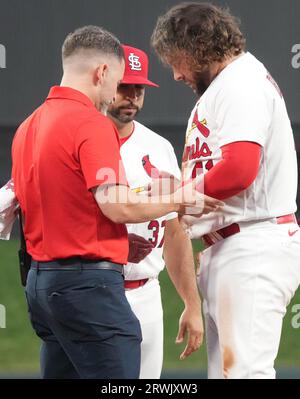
(201, 32)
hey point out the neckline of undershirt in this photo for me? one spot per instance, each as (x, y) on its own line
(124, 139)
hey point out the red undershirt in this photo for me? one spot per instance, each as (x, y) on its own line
(124, 139)
(235, 172)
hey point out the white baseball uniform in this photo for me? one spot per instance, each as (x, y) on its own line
(8, 210)
(145, 146)
(247, 279)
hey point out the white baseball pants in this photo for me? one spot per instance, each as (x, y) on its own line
(146, 303)
(246, 281)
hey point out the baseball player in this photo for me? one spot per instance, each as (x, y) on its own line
(240, 146)
(148, 157)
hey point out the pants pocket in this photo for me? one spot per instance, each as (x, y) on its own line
(92, 313)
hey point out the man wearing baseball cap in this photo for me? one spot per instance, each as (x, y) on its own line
(150, 161)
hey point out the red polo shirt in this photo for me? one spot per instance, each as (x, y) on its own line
(57, 155)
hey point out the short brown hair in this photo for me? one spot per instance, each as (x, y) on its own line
(92, 38)
(204, 32)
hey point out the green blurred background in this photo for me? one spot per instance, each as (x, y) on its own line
(19, 347)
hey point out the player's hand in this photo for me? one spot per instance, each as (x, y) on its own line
(190, 324)
(139, 248)
(195, 203)
(164, 184)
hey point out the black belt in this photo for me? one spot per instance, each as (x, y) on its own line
(77, 265)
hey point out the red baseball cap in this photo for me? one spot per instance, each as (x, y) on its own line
(136, 67)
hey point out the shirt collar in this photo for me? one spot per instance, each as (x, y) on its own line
(124, 139)
(69, 94)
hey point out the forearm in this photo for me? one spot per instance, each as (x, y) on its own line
(141, 212)
(178, 255)
(123, 206)
(119, 204)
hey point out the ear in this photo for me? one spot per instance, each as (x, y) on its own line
(100, 74)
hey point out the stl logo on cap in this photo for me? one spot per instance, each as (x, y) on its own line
(136, 67)
(134, 62)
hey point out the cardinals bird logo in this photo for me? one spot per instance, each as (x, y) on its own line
(200, 125)
(162, 182)
(150, 169)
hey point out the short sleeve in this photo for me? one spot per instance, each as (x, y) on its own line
(97, 149)
(242, 114)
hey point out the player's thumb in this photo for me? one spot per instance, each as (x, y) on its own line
(181, 334)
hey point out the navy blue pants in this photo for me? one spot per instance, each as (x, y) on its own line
(86, 324)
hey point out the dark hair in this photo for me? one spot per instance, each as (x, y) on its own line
(94, 38)
(203, 32)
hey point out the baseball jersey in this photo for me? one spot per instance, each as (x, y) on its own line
(144, 148)
(243, 103)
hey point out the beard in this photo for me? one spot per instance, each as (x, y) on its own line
(201, 87)
(202, 81)
(123, 117)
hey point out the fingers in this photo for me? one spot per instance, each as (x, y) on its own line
(181, 333)
(208, 202)
(202, 204)
(213, 201)
(209, 209)
(194, 342)
(191, 323)
(198, 202)
(212, 204)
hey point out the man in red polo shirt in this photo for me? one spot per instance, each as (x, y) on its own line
(66, 155)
